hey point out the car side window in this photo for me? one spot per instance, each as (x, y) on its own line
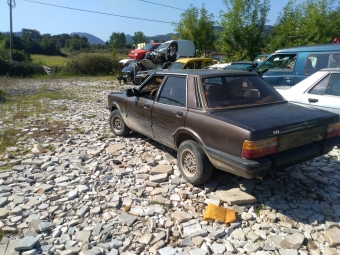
(189, 65)
(320, 88)
(149, 90)
(174, 91)
(198, 64)
(315, 62)
(333, 88)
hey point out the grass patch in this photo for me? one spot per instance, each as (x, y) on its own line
(2, 234)
(50, 60)
(8, 138)
(258, 209)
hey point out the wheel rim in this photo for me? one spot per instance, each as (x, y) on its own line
(117, 124)
(189, 163)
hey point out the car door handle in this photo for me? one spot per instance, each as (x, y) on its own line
(146, 106)
(312, 100)
(179, 113)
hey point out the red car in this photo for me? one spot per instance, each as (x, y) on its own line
(140, 53)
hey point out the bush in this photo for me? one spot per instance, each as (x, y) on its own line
(19, 69)
(2, 96)
(93, 64)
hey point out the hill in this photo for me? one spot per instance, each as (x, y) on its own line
(90, 38)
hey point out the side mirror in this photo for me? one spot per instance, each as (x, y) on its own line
(132, 93)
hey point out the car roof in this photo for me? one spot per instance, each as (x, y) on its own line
(336, 70)
(207, 72)
(184, 60)
(311, 48)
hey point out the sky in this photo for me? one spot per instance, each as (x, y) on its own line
(103, 17)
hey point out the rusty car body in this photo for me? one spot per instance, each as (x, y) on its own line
(231, 120)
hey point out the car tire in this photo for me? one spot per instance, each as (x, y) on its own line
(193, 163)
(117, 124)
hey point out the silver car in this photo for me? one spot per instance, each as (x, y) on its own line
(320, 90)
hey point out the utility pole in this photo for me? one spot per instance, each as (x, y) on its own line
(11, 32)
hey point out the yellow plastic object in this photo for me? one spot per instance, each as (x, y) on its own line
(213, 212)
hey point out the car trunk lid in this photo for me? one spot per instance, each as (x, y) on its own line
(293, 125)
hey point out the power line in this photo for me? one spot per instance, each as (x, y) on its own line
(163, 5)
(102, 13)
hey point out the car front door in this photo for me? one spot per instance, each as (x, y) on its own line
(139, 107)
(279, 70)
(325, 94)
(170, 110)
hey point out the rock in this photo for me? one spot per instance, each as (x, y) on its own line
(83, 236)
(158, 178)
(161, 169)
(27, 243)
(115, 147)
(235, 197)
(217, 248)
(293, 241)
(46, 226)
(127, 219)
(333, 235)
(181, 217)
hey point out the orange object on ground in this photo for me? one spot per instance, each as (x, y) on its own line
(214, 212)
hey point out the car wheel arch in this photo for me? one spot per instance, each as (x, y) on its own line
(114, 107)
(185, 135)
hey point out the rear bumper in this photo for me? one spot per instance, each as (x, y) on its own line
(258, 167)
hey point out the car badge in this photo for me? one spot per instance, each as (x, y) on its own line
(276, 132)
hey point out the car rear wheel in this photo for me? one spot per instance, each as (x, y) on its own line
(193, 163)
(117, 124)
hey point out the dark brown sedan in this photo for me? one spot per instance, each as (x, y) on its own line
(231, 120)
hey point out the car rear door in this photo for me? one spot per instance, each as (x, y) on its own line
(170, 109)
(325, 94)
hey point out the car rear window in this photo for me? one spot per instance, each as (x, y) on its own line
(238, 91)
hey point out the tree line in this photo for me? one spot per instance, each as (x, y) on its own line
(242, 32)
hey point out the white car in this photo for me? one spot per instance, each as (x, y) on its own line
(320, 90)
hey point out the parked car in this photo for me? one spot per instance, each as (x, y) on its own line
(128, 69)
(191, 63)
(235, 65)
(223, 119)
(320, 90)
(139, 54)
(172, 50)
(287, 67)
(183, 63)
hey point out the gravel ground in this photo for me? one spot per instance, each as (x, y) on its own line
(69, 186)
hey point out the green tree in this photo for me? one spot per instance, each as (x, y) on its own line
(139, 37)
(197, 26)
(117, 40)
(243, 28)
(311, 22)
(76, 43)
(30, 39)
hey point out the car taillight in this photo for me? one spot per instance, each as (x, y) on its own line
(332, 130)
(259, 148)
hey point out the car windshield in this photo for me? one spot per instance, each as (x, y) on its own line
(132, 64)
(163, 46)
(281, 61)
(238, 91)
(176, 66)
(147, 47)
